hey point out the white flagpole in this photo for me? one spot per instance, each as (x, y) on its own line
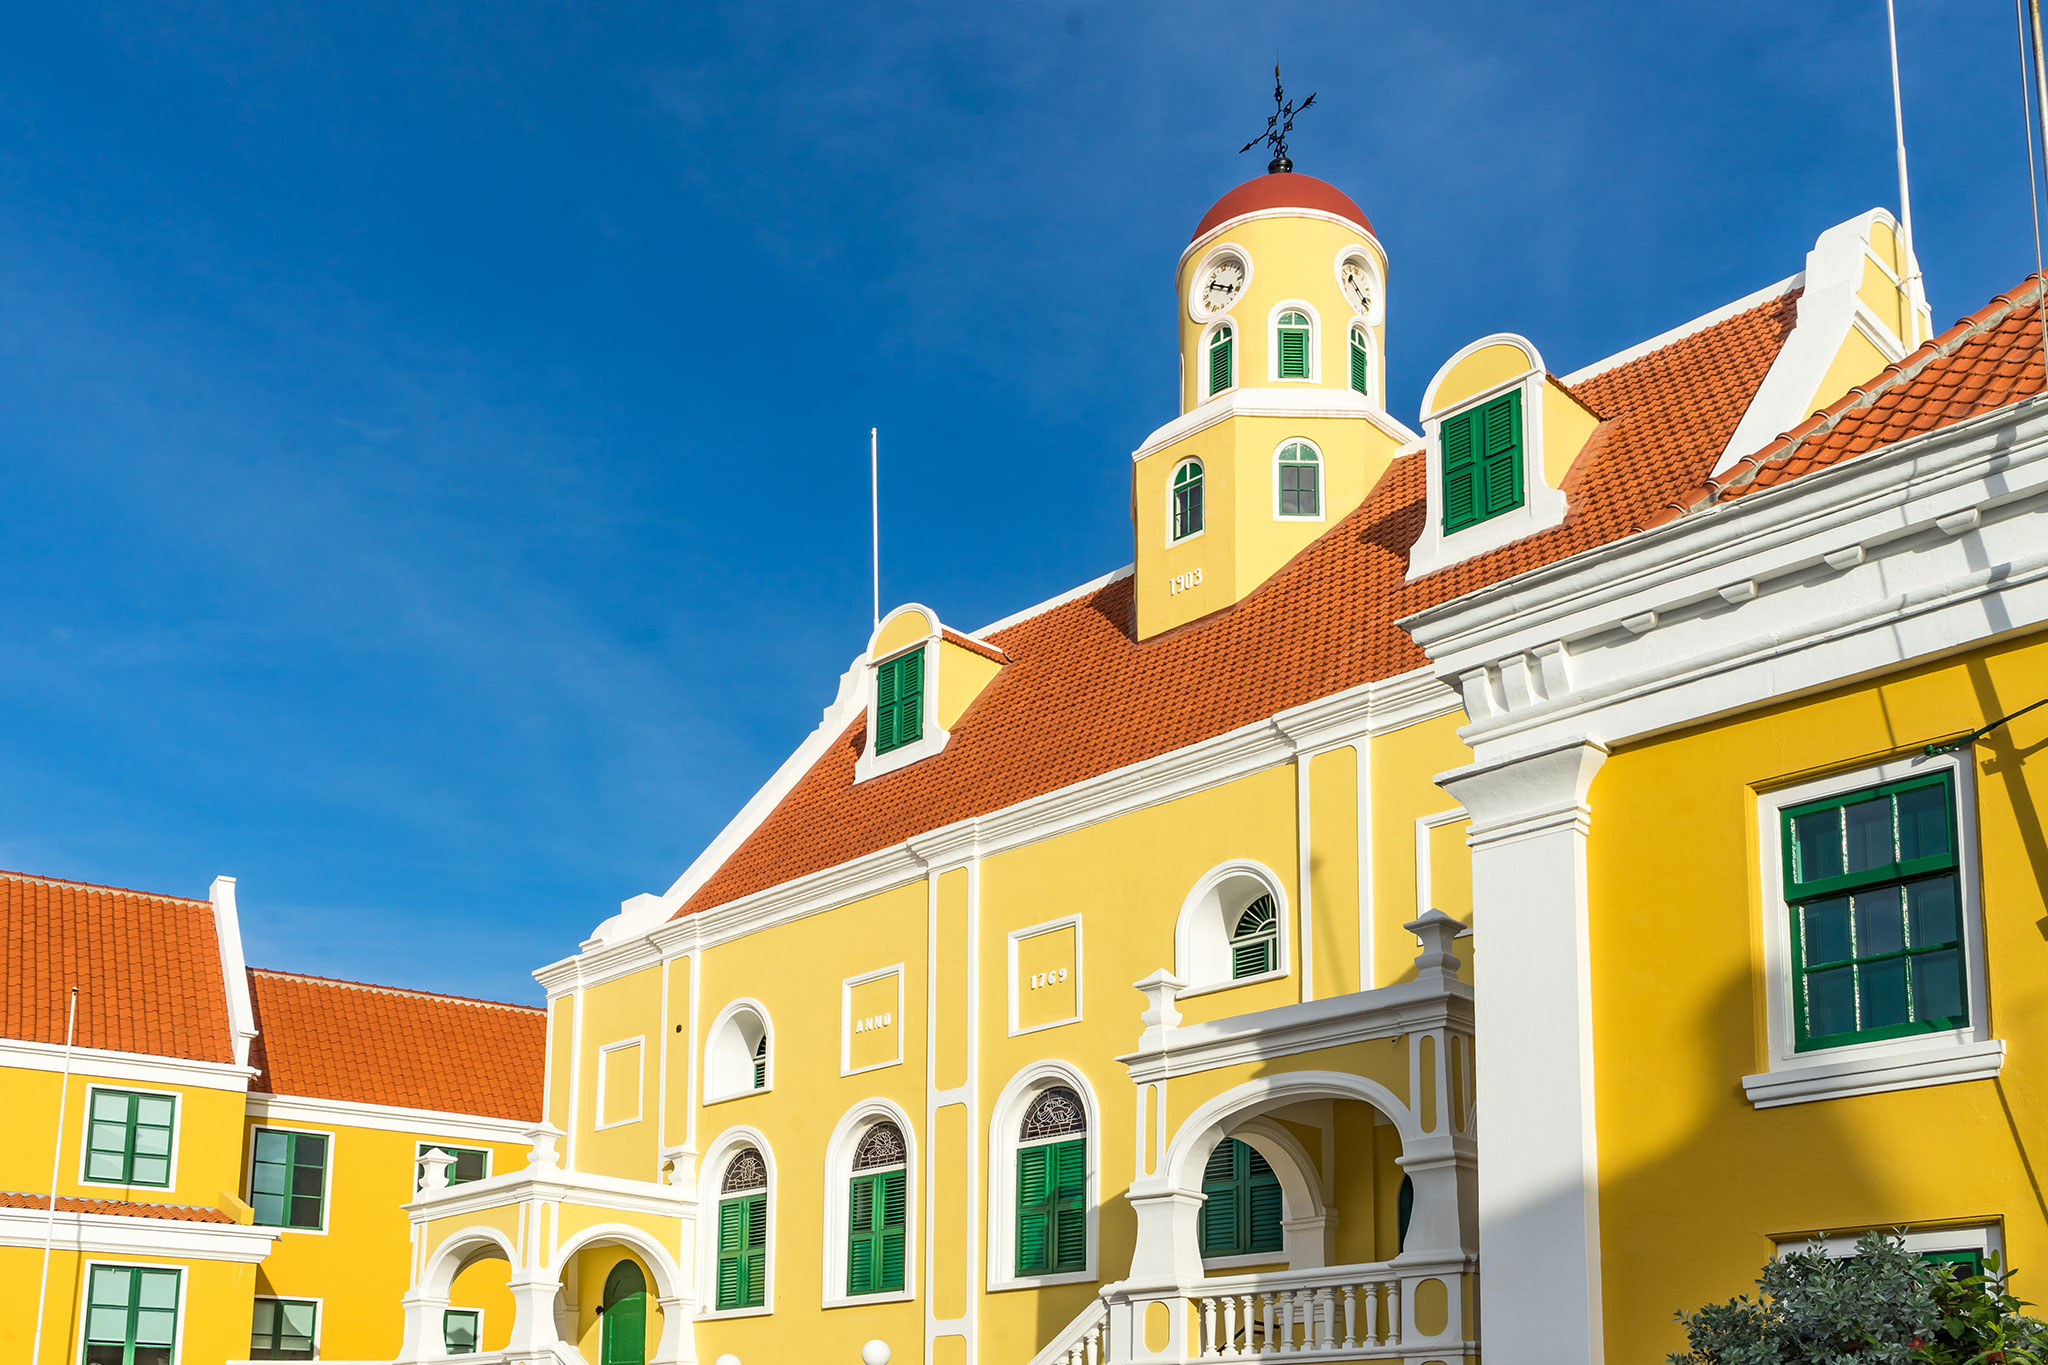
(35, 1352)
(1914, 284)
(875, 515)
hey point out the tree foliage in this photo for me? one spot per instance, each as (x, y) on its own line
(1882, 1306)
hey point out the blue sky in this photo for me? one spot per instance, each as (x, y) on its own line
(432, 437)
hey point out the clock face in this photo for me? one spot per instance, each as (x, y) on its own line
(1219, 285)
(1361, 287)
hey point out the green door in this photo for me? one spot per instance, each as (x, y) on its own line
(625, 1316)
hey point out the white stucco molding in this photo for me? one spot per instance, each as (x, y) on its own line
(227, 928)
(105, 1064)
(1278, 399)
(428, 1124)
(102, 1234)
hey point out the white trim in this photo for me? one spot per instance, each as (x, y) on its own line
(552, 1185)
(227, 929)
(1201, 313)
(300, 1109)
(1257, 215)
(1794, 1077)
(326, 1177)
(1172, 491)
(1201, 932)
(729, 1018)
(319, 1315)
(1685, 329)
(85, 1139)
(104, 1064)
(184, 1274)
(1985, 1238)
(1005, 1115)
(726, 1146)
(1322, 468)
(113, 1234)
(839, 1152)
(1292, 401)
(1470, 348)
(1315, 343)
(1423, 825)
(1093, 585)
(598, 1122)
(1039, 930)
(895, 1023)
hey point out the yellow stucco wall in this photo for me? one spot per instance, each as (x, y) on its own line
(623, 1011)
(208, 1137)
(213, 1321)
(1404, 762)
(906, 627)
(962, 674)
(1675, 863)
(1486, 367)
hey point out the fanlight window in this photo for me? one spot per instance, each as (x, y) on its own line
(1221, 350)
(1187, 500)
(1255, 940)
(1291, 342)
(877, 1213)
(746, 1171)
(1052, 1185)
(1361, 361)
(1055, 1113)
(1301, 476)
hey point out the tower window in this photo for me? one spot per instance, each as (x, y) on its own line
(1187, 500)
(1300, 472)
(1221, 350)
(899, 701)
(1291, 339)
(1361, 360)
(1255, 940)
(1482, 462)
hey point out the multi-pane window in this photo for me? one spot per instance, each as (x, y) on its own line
(460, 1330)
(471, 1163)
(1290, 338)
(899, 701)
(743, 1233)
(128, 1138)
(1255, 940)
(1482, 462)
(1222, 349)
(1875, 912)
(1052, 1185)
(1361, 361)
(283, 1330)
(131, 1315)
(1187, 499)
(288, 1180)
(877, 1214)
(1300, 474)
(1241, 1202)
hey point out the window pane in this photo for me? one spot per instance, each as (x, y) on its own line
(110, 1107)
(1932, 914)
(1817, 845)
(267, 1178)
(272, 1146)
(266, 1321)
(156, 1327)
(152, 1355)
(106, 1324)
(103, 1355)
(151, 1170)
(110, 1285)
(1831, 1001)
(1938, 985)
(1868, 825)
(110, 1137)
(103, 1166)
(1923, 822)
(305, 1213)
(469, 1165)
(159, 1289)
(307, 1180)
(154, 1109)
(153, 1141)
(1880, 921)
(1883, 990)
(269, 1209)
(1827, 930)
(298, 1319)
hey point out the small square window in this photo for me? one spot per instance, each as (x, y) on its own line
(471, 1163)
(283, 1329)
(461, 1329)
(288, 1179)
(128, 1138)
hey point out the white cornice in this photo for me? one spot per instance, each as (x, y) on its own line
(1283, 211)
(1385, 1012)
(426, 1123)
(124, 1066)
(105, 1234)
(552, 1185)
(1250, 400)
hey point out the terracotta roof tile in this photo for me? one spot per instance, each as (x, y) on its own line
(1081, 697)
(183, 1213)
(147, 967)
(341, 1040)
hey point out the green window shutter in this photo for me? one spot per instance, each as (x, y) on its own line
(893, 1230)
(1244, 1205)
(742, 1252)
(1220, 1227)
(1035, 1211)
(1254, 941)
(1294, 352)
(1460, 471)
(1069, 1162)
(899, 701)
(1361, 361)
(761, 1063)
(1219, 362)
(1500, 455)
(860, 1236)
(1262, 1203)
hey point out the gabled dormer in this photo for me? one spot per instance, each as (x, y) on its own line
(1499, 435)
(920, 679)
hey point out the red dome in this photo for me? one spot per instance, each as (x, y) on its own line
(1282, 190)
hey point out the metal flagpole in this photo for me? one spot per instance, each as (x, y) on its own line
(1914, 284)
(35, 1352)
(875, 517)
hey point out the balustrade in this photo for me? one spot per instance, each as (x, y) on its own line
(1345, 1312)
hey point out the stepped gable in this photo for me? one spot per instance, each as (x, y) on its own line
(147, 967)
(1988, 360)
(342, 1040)
(1081, 698)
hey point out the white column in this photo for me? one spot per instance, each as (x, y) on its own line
(423, 1313)
(1539, 1228)
(533, 1315)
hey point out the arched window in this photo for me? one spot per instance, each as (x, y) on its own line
(736, 1060)
(1187, 500)
(1241, 1202)
(743, 1232)
(1299, 475)
(1291, 345)
(761, 1063)
(877, 1212)
(1255, 940)
(1361, 360)
(624, 1336)
(1052, 1185)
(1222, 349)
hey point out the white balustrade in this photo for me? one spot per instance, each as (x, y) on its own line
(1339, 1313)
(1084, 1342)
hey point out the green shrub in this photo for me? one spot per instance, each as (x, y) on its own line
(1881, 1306)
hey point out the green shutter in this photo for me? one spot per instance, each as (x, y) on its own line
(1070, 1205)
(1243, 1207)
(1500, 456)
(1219, 363)
(893, 1230)
(1034, 1211)
(1359, 363)
(1460, 471)
(899, 701)
(1294, 353)
(1219, 1230)
(860, 1236)
(1052, 1207)
(1262, 1203)
(875, 1233)
(742, 1252)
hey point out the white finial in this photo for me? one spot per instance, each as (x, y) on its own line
(434, 1169)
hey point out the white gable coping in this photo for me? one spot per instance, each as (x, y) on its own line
(1686, 329)
(227, 929)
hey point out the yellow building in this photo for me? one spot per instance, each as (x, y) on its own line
(233, 1149)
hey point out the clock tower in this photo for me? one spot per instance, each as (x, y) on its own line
(1283, 427)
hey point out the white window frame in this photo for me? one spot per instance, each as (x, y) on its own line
(177, 1100)
(1965, 1054)
(597, 1119)
(1172, 476)
(422, 1146)
(932, 736)
(183, 1273)
(319, 1317)
(717, 1157)
(1986, 1239)
(1208, 339)
(1315, 342)
(719, 1056)
(838, 1182)
(1201, 938)
(1003, 1145)
(326, 1188)
(1322, 467)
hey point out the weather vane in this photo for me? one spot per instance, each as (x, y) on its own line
(1278, 126)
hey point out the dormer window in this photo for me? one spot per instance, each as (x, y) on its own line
(1298, 480)
(899, 701)
(1361, 361)
(1482, 453)
(1187, 500)
(1291, 345)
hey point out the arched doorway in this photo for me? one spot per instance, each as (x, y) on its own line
(624, 1336)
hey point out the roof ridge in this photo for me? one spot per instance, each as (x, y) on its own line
(395, 990)
(41, 880)
(1906, 368)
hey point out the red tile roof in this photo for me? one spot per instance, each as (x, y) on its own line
(147, 968)
(342, 1040)
(1081, 697)
(183, 1213)
(1986, 361)
(1282, 190)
